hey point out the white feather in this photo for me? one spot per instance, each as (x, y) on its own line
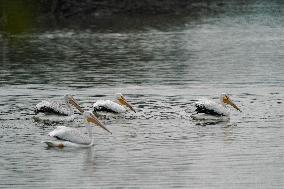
(71, 135)
(55, 106)
(108, 104)
(214, 106)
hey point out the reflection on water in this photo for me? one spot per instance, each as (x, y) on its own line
(163, 69)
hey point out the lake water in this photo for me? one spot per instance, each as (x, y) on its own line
(162, 65)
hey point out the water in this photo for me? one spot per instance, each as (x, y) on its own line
(162, 65)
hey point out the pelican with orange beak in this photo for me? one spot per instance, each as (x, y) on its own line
(58, 108)
(71, 137)
(120, 105)
(54, 111)
(209, 109)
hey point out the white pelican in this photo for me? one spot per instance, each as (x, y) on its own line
(208, 109)
(52, 111)
(117, 106)
(53, 107)
(71, 137)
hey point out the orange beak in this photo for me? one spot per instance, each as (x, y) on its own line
(75, 104)
(123, 101)
(94, 119)
(227, 100)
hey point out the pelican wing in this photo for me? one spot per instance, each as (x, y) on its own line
(210, 107)
(70, 134)
(52, 107)
(108, 106)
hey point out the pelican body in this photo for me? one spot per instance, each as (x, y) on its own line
(53, 107)
(208, 109)
(120, 105)
(51, 111)
(71, 137)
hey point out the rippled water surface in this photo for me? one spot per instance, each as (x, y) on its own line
(162, 66)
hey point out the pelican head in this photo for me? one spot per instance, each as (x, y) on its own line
(91, 118)
(122, 101)
(225, 99)
(69, 99)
